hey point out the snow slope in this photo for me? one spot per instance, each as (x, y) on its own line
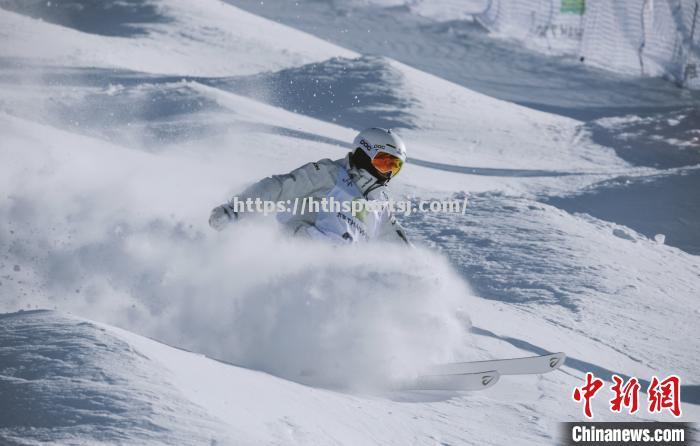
(114, 149)
(190, 399)
(456, 48)
(211, 39)
(588, 278)
(67, 381)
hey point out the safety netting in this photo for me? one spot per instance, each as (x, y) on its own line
(632, 37)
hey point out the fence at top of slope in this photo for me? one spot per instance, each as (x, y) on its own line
(634, 37)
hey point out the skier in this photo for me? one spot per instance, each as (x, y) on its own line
(362, 175)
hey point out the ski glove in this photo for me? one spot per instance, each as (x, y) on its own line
(221, 216)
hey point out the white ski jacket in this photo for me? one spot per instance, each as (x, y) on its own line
(327, 179)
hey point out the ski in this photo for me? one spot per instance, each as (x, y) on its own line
(511, 366)
(458, 381)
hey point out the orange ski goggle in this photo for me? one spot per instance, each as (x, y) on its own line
(387, 163)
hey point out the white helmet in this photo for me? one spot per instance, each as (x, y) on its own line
(380, 152)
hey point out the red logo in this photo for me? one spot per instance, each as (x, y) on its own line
(585, 393)
(665, 395)
(662, 395)
(625, 396)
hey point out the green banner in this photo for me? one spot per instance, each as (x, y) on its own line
(573, 6)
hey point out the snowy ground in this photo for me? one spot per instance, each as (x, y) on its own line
(452, 46)
(119, 135)
(138, 391)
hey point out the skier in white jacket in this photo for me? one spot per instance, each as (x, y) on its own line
(362, 175)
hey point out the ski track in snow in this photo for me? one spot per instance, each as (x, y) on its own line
(579, 280)
(121, 136)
